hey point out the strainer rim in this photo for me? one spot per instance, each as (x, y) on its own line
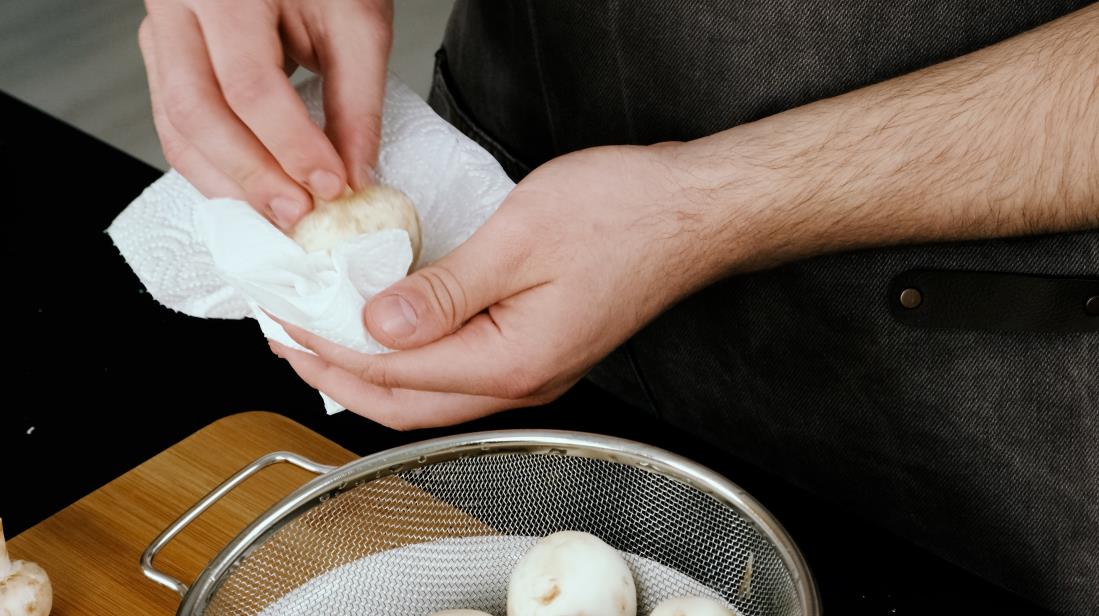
(560, 442)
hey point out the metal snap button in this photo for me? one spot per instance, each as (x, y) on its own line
(1091, 305)
(912, 298)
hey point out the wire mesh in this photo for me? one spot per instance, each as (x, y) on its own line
(446, 535)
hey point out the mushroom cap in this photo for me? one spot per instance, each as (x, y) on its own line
(460, 613)
(26, 591)
(691, 606)
(374, 208)
(570, 573)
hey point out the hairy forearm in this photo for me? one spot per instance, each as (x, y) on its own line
(1003, 141)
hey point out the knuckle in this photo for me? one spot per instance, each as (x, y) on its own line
(547, 396)
(445, 292)
(144, 34)
(182, 108)
(246, 86)
(300, 155)
(371, 127)
(393, 421)
(540, 399)
(251, 175)
(173, 150)
(518, 382)
(376, 373)
(400, 424)
(379, 31)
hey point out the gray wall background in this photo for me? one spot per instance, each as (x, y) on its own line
(78, 60)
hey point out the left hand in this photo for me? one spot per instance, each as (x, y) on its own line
(583, 253)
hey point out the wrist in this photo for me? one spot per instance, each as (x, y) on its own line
(741, 188)
(683, 230)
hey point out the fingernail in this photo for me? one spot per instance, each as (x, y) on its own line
(395, 316)
(287, 211)
(325, 184)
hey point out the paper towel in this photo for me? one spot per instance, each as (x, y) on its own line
(218, 258)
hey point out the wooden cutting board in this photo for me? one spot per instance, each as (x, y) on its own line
(92, 549)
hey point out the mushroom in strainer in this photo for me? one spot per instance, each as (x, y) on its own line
(691, 606)
(569, 573)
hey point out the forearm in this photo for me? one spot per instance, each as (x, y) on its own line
(1004, 141)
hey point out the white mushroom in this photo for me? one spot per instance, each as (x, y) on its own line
(570, 573)
(460, 613)
(372, 209)
(691, 606)
(24, 587)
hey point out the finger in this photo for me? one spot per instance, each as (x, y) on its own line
(396, 408)
(194, 106)
(248, 60)
(438, 299)
(179, 154)
(353, 58)
(476, 360)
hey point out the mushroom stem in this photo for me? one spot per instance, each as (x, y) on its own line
(24, 587)
(5, 562)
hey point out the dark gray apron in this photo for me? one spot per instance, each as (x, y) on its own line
(966, 417)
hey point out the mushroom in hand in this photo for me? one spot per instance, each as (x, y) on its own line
(372, 209)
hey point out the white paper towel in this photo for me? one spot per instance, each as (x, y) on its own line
(218, 258)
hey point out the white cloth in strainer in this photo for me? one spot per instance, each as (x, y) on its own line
(466, 572)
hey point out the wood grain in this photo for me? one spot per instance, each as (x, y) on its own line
(92, 548)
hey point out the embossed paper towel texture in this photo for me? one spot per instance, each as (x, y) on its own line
(220, 259)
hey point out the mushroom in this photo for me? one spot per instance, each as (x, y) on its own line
(460, 613)
(372, 209)
(569, 573)
(24, 587)
(691, 606)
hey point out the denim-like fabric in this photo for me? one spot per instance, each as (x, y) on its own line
(984, 447)
(546, 77)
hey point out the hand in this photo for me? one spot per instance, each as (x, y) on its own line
(230, 121)
(582, 254)
(595, 244)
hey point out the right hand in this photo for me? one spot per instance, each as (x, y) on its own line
(229, 119)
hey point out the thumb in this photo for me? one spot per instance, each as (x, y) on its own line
(438, 299)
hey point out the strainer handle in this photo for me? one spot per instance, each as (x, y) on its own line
(215, 495)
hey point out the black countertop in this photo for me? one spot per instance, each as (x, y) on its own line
(100, 378)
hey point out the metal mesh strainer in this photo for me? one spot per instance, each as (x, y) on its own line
(440, 524)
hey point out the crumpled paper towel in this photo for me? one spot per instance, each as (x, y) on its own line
(218, 258)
